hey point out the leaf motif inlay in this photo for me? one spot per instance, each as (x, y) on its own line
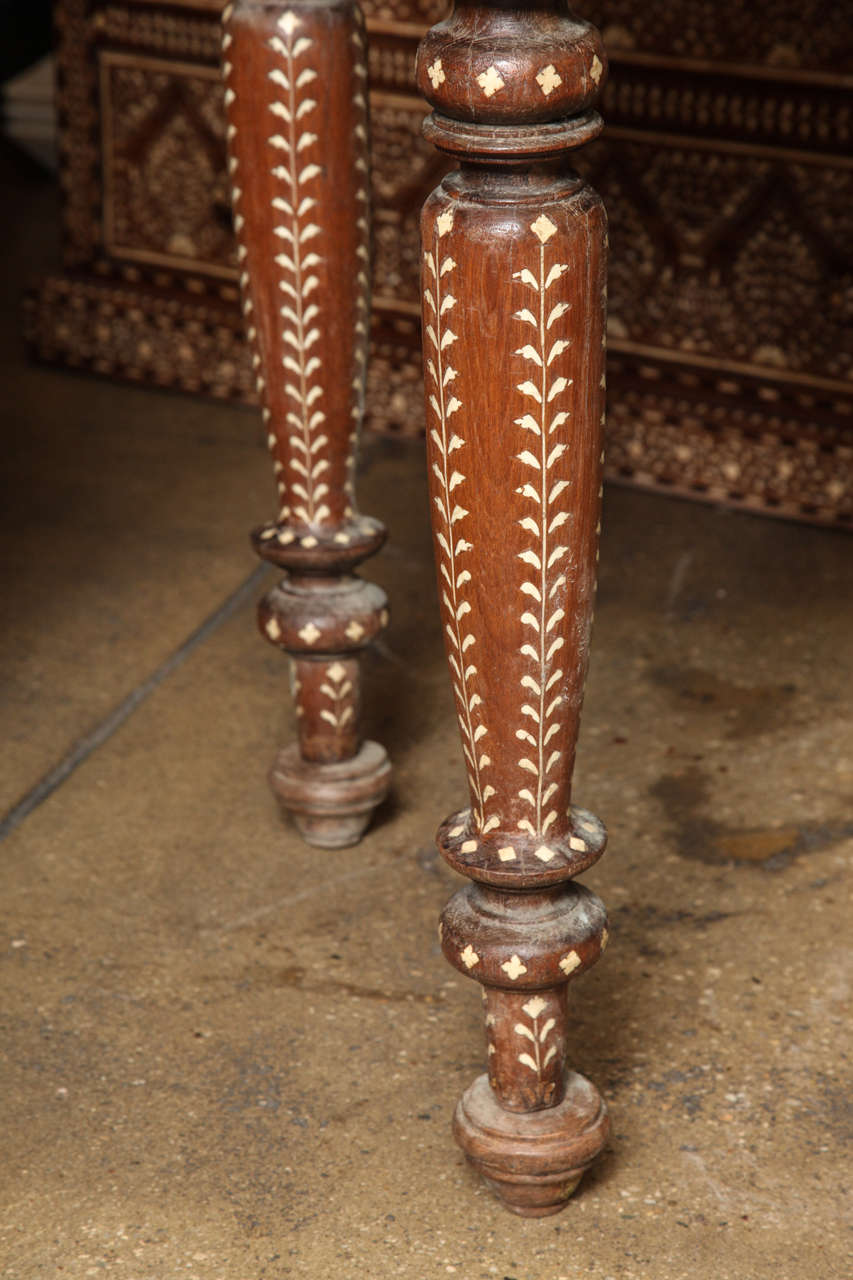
(539, 1056)
(338, 691)
(296, 280)
(439, 304)
(546, 553)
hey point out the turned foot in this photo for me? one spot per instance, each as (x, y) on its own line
(331, 804)
(533, 1161)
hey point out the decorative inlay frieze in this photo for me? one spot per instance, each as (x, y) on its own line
(444, 402)
(547, 514)
(297, 261)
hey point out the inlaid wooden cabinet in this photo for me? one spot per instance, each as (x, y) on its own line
(726, 169)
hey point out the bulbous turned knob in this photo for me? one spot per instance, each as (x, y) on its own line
(528, 64)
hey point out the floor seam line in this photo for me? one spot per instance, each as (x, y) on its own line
(91, 742)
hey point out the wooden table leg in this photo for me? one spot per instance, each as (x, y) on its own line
(514, 303)
(296, 99)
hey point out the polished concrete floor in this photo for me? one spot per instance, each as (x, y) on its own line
(228, 1056)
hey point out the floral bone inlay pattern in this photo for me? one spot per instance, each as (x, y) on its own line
(338, 689)
(570, 961)
(537, 1036)
(436, 74)
(490, 81)
(549, 79)
(514, 968)
(546, 556)
(439, 302)
(297, 261)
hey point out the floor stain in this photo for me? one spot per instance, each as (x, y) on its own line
(298, 977)
(748, 709)
(759, 845)
(686, 799)
(648, 916)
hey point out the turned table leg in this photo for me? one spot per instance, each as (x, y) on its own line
(296, 100)
(514, 300)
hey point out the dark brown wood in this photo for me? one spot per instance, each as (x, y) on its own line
(296, 100)
(514, 302)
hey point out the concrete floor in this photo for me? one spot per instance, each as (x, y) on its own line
(227, 1056)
